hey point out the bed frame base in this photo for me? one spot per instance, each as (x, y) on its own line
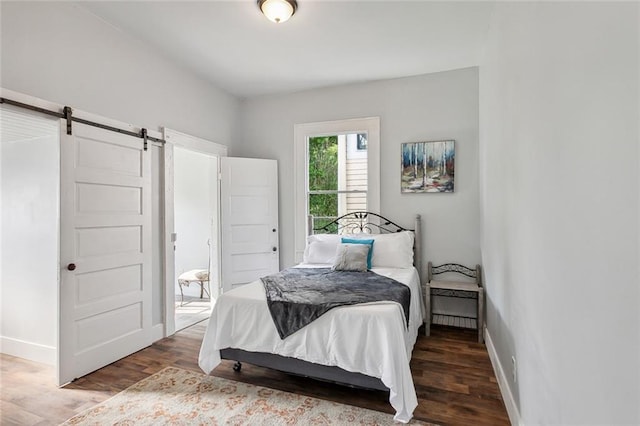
(303, 368)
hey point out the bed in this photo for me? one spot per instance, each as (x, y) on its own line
(365, 345)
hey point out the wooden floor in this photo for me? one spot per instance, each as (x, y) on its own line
(452, 374)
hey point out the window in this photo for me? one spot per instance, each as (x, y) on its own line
(336, 177)
(336, 171)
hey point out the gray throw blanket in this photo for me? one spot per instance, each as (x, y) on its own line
(298, 296)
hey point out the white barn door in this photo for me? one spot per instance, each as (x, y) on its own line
(249, 219)
(105, 249)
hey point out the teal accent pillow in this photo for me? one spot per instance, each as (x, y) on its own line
(359, 241)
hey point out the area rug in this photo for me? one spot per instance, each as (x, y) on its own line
(179, 397)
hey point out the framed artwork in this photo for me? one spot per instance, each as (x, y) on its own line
(428, 166)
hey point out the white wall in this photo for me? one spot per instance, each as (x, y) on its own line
(29, 262)
(59, 52)
(195, 184)
(428, 107)
(560, 189)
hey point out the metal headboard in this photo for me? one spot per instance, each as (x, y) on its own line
(370, 223)
(359, 222)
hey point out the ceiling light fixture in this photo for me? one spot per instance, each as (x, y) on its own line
(278, 11)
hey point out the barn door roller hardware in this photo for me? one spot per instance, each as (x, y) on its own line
(143, 132)
(68, 115)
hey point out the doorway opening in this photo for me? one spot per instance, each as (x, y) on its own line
(196, 227)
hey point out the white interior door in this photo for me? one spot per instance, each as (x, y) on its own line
(249, 219)
(105, 249)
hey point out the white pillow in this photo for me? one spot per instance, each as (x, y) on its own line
(321, 248)
(391, 250)
(351, 257)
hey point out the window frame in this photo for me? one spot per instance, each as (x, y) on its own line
(368, 125)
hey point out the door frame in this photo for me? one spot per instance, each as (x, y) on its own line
(173, 139)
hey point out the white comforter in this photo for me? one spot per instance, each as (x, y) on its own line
(370, 338)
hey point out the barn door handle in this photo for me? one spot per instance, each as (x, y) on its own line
(275, 249)
(71, 266)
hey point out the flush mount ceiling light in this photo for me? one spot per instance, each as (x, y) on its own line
(278, 11)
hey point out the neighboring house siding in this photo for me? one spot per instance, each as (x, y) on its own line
(356, 179)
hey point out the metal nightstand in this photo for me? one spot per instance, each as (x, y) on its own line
(458, 289)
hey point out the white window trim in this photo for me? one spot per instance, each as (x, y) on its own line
(301, 132)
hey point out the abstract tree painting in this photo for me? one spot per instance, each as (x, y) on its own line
(428, 166)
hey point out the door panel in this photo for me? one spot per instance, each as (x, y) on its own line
(95, 156)
(105, 225)
(108, 199)
(249, 205)
(97, 285)
(108, 240)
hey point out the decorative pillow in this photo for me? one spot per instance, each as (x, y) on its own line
(321, 248)
(321, 252)
(351, 257)
(361, 241)
(392, 250)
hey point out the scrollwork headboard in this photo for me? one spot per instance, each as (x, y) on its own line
(368, 223)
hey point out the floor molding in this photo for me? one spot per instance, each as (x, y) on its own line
(503, 384)
(28, 350)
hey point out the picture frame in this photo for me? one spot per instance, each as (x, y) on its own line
(428, 167)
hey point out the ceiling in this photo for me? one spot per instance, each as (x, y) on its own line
(325, 43)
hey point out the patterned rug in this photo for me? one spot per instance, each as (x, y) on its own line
(180, 397)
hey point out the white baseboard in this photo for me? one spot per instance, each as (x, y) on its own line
(28, 350)
(157, 332)
(503, 384)
(47, 354)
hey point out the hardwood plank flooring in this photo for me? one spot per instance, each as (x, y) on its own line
(452, 374)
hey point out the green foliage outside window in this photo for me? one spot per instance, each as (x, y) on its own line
(323, 175)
